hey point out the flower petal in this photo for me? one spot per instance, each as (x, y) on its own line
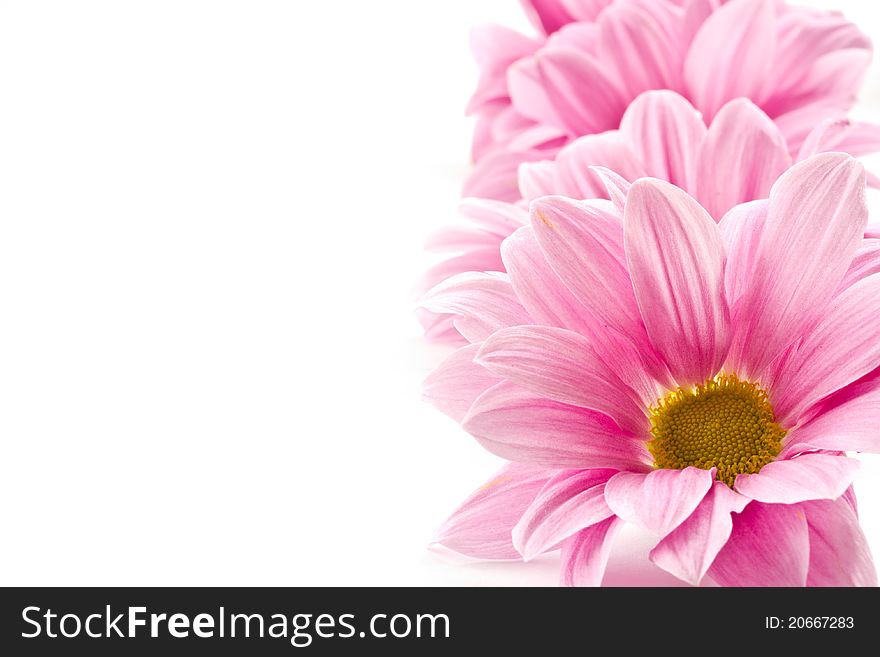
(616, 186)
(537, 287)
(495, 48)
(841, 134)
(485, 302)
(729, 55)
(806, 477)
(803, 38)
(840, 349)
(547, 15)
(665, 132)
(660, 500)
(495, 175)
(457, 382)
(481, 527)
(689, 550)
(585, 555)
(741, 229)
(563, 366)
(797, 124)
(815, 221)
(865, 263)
(494, 216)
(676, 260)
(835, 75)
(537, 179)
(585, 10)
(769, 546)
(575, 179)
(637, 46)
(584, 245)
(839, 552)
(740, 133)
(847, 421)
(517, 425)
(695, 14)
(550, 303)
(572, 91)
(570, 501)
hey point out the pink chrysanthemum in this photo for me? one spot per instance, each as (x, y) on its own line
(733, 160)
(640, 362)
(798, 65)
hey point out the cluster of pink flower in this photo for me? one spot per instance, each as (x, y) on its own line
(665, 291)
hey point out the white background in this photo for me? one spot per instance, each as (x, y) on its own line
(211, 218)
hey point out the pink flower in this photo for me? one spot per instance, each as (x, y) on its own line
(640, 362)
(798, 65)
(735, 159)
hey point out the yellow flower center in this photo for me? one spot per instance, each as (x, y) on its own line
(724, 423)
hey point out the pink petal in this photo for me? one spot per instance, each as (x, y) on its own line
(439, 328)
(543, 138)
(550, 303)
(537, 179)
(585, 10)
(740, 133)
(797, 124)
(582, 36)
(660, 500)
(840, 349)
(584, 245)
(585, 555)
(569, 502)
(865, 263)
(494, 216)
(546, 15)
(676, 260)
(841, 135)
(495, 176)
(616, 187)
(568, 89)
(729, 55)
(528, 93)
(741, 229)
(485, 302)
(665, 132)
(639, 49)
(481, 527)
(495, 48)
(573, 175)
(563, 366)
(806, 477)
(517, 425)
(846, 422)
(689, 550)
(478, 259)
(803, 38)
(815, 221)
(836, 75)
(538, 288)
(695, 14)
(839, 552)
(769, 546)
(457, 382)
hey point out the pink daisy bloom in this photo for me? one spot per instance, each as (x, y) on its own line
(640, 362)
(800, 66)
(735, 159)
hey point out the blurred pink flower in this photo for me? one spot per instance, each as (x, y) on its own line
(735, 159)
(641, 362)
(799, 65)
